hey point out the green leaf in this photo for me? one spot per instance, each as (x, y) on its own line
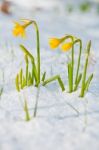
(34, 73)
(43, 77)
(78, 81)
(34, 69)
(70, 77)
(26, 52)
(24, 82)
(57, 77)
(85, 70)
(88, 82)
(30, 81)
(61, 83)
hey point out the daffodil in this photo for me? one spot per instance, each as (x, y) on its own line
(66, 46)
(19, 29)
(55, 42)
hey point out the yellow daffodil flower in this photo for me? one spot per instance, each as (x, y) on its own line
(65, 47)
(19, 29)
(55, 42)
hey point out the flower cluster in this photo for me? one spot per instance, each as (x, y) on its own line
(65, 46)
(55, 42)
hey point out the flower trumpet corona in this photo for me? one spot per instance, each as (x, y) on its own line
(19, 30)
(55, 42)
(67, 46)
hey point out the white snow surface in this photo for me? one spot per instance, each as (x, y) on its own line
(57, 125)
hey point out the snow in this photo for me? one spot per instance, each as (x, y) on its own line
(58, 124)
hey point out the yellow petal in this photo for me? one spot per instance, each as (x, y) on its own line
(65, 47)
(19, 30)
(54, 42)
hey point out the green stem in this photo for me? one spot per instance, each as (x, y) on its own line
(37, 44)
(78, 65)
(34, 73)
(72, 66)
(27, 115)
(79, 58)
(70, 76)
(36, 104)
